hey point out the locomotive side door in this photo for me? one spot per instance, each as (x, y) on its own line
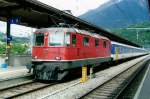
(75, 48)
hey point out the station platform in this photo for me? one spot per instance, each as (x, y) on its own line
(11, 72)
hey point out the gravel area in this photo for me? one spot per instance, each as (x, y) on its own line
(49, 90)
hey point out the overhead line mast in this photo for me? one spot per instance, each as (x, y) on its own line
(137, 31)
(148, 1)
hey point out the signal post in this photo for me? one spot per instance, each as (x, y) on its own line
(8, 46)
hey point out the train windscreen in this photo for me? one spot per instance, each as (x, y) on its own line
(56, 39)
(59, 39)
(39, 39)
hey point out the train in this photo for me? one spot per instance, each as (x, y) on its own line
(58, 50)
(125, 51)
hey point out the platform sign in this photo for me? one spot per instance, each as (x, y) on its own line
(8, 46)
(14, 20)
(9, 38)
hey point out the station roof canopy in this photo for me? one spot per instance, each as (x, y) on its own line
(35, 14)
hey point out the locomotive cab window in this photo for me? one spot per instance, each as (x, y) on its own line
(74, 40)
(104, 44)
(56, 38)
(86, 41)
(67, 39)
(39, 39)
(96, 42)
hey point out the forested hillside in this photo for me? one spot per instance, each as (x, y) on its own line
(139, 33)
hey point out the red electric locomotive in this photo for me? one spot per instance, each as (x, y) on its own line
(58, 50)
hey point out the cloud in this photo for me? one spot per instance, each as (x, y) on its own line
(77, 7)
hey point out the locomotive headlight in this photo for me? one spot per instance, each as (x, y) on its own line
(35, 57)
(58, 58)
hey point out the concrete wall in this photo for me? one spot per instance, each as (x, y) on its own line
(16, 60)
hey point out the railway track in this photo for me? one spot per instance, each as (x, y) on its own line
(112, 88)
(22, 89)
(14, 81)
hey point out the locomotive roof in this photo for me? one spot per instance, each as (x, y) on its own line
(75, 30)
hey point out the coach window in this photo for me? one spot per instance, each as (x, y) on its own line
(96, 42)
(39, 39)
(104, 44)
(86, 41)
(67, 39)
(74, 40)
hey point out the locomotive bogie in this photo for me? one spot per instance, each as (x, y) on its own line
(56, 70)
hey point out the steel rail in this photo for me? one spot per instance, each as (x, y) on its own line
(22, 89)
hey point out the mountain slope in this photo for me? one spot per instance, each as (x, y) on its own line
(116, 14)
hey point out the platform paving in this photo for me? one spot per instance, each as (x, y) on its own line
(11, 72)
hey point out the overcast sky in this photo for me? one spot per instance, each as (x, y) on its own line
(77, 7)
